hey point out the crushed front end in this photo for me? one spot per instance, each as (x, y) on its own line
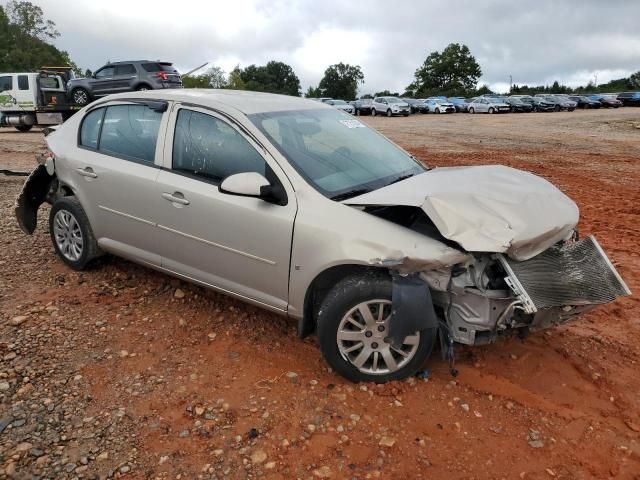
(493, 294)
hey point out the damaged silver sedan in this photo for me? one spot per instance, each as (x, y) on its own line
(301, 209)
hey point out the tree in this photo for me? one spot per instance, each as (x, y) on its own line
(341, 81)
(22, 47)
(634, 80)
(313, 92)
(30, 20)
(386, 93)
(454, 72)
(274, 77)
(483, 90)
(214, 77)
(234, 82)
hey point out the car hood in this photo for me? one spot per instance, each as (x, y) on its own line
(485, 209)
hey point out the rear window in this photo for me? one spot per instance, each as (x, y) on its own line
(6, 83)
(126, 69)
(130, 131)
(90, 129)
(125, 131)
(158, 67)
(23, 82)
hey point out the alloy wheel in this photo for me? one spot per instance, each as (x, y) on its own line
(362, 338)
(80, 97)
(68, 235)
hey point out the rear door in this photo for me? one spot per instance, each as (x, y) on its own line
(237, 244)
(102, 83)
(113, 173)
(124, 77)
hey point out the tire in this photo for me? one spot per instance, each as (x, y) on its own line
(437, 110)
(80, 96)
(389, 114)
(472, 110)
(374, 112)
(556, 108)
(348, 297)
(358, 112)
(406, 114)
(71, 234)
(24, 128)
(143, 88)
(491, 110)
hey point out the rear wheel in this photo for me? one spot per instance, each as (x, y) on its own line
(353, 322)
(71, 233)
(24, 128)
(143, 88)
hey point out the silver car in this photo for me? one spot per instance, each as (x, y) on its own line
(341, 105)
(300, 208)
(389, 106)
(489, 105)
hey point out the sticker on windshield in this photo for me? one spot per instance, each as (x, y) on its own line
(352, 123)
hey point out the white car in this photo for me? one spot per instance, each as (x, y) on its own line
(439, 105)
(389, 106)
(342, 105)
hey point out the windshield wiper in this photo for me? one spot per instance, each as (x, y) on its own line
(402, 177)
(350, 194)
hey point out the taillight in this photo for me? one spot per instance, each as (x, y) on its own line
(162, 76)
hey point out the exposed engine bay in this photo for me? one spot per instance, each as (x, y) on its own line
(492, 294)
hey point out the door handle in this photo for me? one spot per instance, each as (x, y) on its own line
(87, 172)
(175, 197)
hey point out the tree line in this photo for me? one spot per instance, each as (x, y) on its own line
(454, 71)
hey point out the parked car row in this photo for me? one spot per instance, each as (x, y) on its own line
(492, 103)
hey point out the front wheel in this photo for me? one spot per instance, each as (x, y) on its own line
(80, 96)
(389, 113)
(71, 233)
(491, 110)
(437, 110)
(374, 112)
(353, 324)
(472, 110)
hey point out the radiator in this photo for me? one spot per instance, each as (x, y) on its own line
(577, 273)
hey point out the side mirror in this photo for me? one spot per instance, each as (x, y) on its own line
(248, 184)
(253, 184)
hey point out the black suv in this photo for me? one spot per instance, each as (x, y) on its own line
(120, 77)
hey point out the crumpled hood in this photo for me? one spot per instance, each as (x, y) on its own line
(485, 209)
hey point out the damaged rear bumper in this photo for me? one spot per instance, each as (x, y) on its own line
(35, 192)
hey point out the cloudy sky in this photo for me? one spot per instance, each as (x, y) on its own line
(535, 42)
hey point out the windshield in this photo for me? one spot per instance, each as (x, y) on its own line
(335, 153)
(393, 100)
(338, 102)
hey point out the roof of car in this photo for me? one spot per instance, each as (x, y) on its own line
(244, 101)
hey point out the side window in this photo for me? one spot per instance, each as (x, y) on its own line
(23, 82)
(105, 72)
(6, 83)
(130, 131)
(206, 146)
(126, 69)
(90, 129)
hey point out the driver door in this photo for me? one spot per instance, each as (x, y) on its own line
(240, 245)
